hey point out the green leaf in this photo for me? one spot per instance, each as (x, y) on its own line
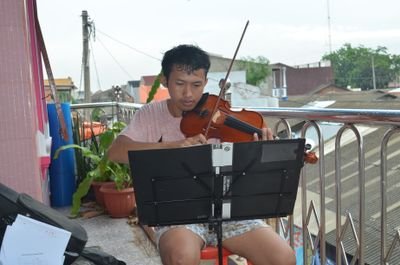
(100, 167)
(85, 151)
(62, 148)
(154, 88)
(80, 192)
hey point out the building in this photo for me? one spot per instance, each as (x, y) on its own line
(113, 94)
(25, 141)
(285, 80)
(302, 79)
(65, 89)
(140, 89)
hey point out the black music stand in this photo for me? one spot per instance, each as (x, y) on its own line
(216, 183)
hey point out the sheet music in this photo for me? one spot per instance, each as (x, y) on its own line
(30, 242)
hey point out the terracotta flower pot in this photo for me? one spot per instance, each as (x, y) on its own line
(96, 185)
(118, 203)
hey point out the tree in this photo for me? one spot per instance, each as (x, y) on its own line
(355, 66)
(257, 69)
(396, 67)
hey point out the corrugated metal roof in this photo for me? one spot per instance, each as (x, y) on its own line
(372, 99)
(350, 196)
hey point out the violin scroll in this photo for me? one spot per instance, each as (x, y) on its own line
(309, 156)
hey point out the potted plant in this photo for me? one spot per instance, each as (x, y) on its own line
(102, 168)
(119, 202)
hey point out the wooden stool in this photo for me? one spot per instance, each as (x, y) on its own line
(211, 253)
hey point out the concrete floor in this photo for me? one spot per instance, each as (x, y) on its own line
(117, 237)
(126, 242)
(120, 239)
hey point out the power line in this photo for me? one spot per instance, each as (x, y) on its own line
(129, 46)
(153, 57)
(95, 65)
(115, 60)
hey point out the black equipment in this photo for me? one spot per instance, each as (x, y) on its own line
(216, 183)
(13, 203)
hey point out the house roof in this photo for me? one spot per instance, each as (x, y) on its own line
(370, 99)
(108, 95)
(62, 83)
(148, 80)
(328, 86)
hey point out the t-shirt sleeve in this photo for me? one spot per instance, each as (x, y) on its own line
(153, 123)
(140, 126)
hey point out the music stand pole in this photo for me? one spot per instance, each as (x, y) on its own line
(217, 225)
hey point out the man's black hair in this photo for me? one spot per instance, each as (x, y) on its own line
(187, 58)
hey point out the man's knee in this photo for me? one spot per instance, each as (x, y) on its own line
(180, 246)
(180, 256)
(288, 258)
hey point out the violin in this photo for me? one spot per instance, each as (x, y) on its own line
(224, 123)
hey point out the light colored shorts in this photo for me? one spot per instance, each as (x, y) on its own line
(229, 229)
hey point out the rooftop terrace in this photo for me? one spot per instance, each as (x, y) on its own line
(352, 193)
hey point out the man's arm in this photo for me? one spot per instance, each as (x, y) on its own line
(118, 151)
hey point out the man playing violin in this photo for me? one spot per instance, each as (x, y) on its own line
(157, 125)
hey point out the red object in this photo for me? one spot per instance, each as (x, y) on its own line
(118, 203)
(211, 253)
(310, 157)
(223, 123)
(96, 185)
(90, 129)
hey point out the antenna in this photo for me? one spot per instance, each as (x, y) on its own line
(329, 28)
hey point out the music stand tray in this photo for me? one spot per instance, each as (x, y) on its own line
(227, 181)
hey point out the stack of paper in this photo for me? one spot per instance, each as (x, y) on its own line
(30, 242)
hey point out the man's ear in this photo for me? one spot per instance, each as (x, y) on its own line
(163, 80)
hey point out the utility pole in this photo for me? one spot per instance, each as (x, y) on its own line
(85, 58)
(373, 72)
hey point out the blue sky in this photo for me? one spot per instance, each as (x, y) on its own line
(131, 36)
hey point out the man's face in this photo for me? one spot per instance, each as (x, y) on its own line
(185, 88)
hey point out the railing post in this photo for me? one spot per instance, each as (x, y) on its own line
(385, 256)
(322, 223)
(291, 221)
(361, 180)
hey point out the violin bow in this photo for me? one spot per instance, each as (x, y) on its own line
(221, 93)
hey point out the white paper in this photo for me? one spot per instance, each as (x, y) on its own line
(30, 242)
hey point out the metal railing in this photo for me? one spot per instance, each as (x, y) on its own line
(349, 120)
